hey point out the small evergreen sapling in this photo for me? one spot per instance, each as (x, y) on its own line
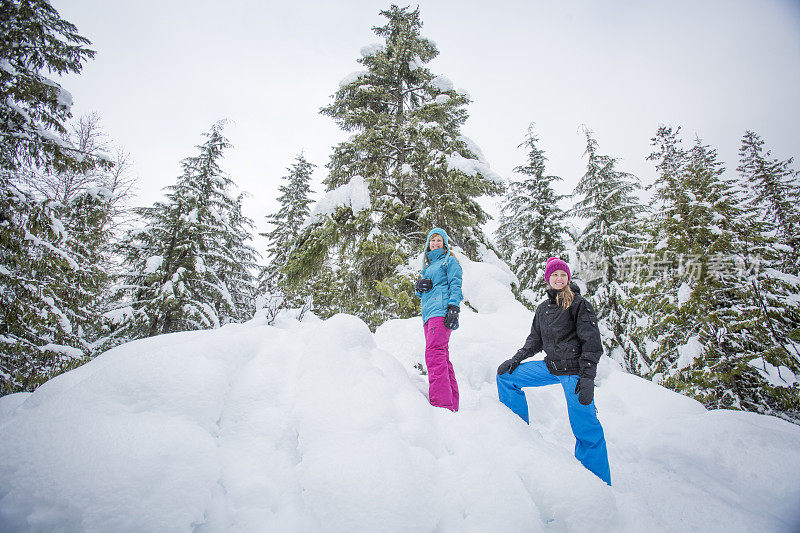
(531, 223)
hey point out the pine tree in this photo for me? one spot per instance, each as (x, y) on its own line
(656, 274)
(420, 172)
(70, 187)
(609, 204)
(51, 280)
(191, 264)
(287, 221)
(776, 194)
(33, 107)
(679, 244)
(531, 223)
(705, 322)
(770, 254)
(711, 307)
(49, 274)
(237, 266)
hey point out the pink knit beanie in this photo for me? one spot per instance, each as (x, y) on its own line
(553, 264)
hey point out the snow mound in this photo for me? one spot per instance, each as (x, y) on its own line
(325, 426)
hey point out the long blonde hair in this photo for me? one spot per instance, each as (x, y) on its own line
(565, 297)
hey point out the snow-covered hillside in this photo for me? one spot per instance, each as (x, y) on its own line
(323, 426)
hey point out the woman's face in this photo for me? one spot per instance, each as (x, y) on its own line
(436, 242)
(558, 279)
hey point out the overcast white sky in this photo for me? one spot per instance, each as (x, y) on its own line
(166, 70)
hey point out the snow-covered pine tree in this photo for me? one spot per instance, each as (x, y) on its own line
(48, 277)
(51, 282)
(657, 272)
(286, 225)
(704, 325)
(420, 172)
(770, 254)
(712, 307)
(609, 205)
(531, 223)
(237, 268)
(73, 189)
(33, 107)
(679, 234)
(189, 264)
(776, 195)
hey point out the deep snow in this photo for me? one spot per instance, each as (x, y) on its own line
(324, 426)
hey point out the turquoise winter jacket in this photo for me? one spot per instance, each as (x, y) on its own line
(444, 270)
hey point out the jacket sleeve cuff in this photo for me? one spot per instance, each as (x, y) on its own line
(591, 356)
(588, 368)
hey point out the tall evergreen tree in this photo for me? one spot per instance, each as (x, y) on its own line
(49, 273)
(770, 254)
(608, 202)
(69, 188)
(686, 205)
(191, 264)
(420, 172)
(704, 322)
(531, 222)
(34, 39)
(776, 195)
(710, 305)
(658, 283)
(286, 224)
(236, 269)
(51, 281)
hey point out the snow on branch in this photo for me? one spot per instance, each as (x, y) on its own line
(372, 49)
(776, 376)
(354, 194)
(67, 351)
(350, 78)
(442, 84)
(471, 167)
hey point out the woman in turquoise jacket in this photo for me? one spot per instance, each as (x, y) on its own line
(439, 288)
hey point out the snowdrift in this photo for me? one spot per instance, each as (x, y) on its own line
(324, 426)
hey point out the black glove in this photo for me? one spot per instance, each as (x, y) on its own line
(584, 388)
(423, 285)
(508, 366)
(451, 318)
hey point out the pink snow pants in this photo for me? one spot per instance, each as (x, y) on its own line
(442, 386)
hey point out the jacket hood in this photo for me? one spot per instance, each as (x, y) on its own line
(441, 232)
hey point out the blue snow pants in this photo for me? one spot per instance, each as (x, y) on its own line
(590, 443)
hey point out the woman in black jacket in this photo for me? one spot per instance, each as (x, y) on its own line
(565, 327)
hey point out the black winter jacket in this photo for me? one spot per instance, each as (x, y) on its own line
(567, 336)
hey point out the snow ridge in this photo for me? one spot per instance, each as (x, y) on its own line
(325, 426)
